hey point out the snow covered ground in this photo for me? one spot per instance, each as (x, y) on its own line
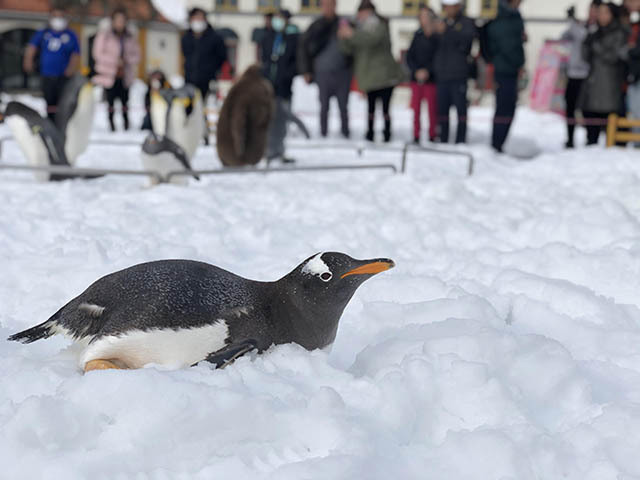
(505, 345)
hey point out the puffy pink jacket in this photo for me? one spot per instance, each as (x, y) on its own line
(107, 53)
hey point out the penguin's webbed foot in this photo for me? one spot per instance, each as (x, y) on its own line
(101, 364)
(230, 353)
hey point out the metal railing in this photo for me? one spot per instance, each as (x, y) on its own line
(420, 148)
(82, 172)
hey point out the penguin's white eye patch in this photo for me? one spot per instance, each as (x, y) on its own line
(326, 276)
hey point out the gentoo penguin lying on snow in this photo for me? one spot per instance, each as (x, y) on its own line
(176, 313)
(163, 155)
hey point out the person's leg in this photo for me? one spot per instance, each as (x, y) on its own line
(386, 103)
(123, 95)
(343, 88)
(277, 130)
(432, 105)
(372, 96)
(506, 98)
(571, 100)
(459, 98)
(633, 105)
(416, 100)
(111, 94)
(324, 89)
(444, 104)
(49, 93)
(592, 121)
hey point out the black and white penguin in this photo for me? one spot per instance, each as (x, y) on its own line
(178, 113)
(74, 116)
(163, 155)
(176, 313)
(37, 137)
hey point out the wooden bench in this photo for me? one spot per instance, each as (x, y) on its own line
(615, 123)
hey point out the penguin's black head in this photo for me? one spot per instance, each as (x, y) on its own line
(321, 286)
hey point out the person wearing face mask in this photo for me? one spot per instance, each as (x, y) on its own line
(633, 92)
(279, 66)
(116, 53)
(204, 52)
(59, 57)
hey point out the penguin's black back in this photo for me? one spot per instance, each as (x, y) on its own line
(167, 294)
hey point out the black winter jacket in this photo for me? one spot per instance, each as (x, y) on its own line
(421, 54)
(279, 65)
(452, 58)
(203, 56)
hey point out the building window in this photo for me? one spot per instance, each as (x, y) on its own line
(227, 5)
(268, 6)
(410, 7)
(310, 6)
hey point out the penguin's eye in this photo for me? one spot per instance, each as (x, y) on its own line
(326, 276)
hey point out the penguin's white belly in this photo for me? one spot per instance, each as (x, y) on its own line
(31, 144)
(165, 347)
(187, 131)
(79, 126)
(163, 163)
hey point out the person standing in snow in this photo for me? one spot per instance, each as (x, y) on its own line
(116, 53)
(606, 50)
(420, 58)
(453, 67)
(204, 52)
(59, 57)
(377, 72)
(321, 61)
(578, 68)
(279, 65)
(506, 37)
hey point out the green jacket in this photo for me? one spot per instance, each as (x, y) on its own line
(506, 41)
(374, 65)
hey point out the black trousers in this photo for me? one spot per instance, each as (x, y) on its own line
(384, 94)
(52, 91)
(118, 90)
(506, 100)
(452, 93)
(334, 84)
(596, 122)
(571, 95)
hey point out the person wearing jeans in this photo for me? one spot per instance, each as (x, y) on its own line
(506, 48)
(420, 61)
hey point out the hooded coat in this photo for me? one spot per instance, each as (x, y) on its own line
(109, 49)
(244, 119)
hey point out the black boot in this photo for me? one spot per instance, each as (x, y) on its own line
(125, 118)
(387, 129)
(369, 137)
(112, 124)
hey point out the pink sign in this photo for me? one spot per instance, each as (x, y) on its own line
(550, 80)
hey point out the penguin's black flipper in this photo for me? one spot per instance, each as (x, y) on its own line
(228, 354)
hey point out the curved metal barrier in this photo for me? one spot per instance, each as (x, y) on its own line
(420, 148)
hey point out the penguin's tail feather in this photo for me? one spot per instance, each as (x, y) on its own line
(30, 335)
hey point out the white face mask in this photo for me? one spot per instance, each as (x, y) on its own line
(198, 26)
(58, 23)
(155, 84)
(277, 23)
(634, 17)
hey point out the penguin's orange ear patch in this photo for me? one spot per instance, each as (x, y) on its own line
(371, 268)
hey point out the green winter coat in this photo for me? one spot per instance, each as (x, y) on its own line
(506, 41)
(374, 65)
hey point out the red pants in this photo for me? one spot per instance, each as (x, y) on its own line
(419, 92)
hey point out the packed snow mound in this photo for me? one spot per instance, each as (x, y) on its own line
(505, 345)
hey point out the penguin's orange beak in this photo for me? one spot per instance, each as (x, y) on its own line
(372, 267)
